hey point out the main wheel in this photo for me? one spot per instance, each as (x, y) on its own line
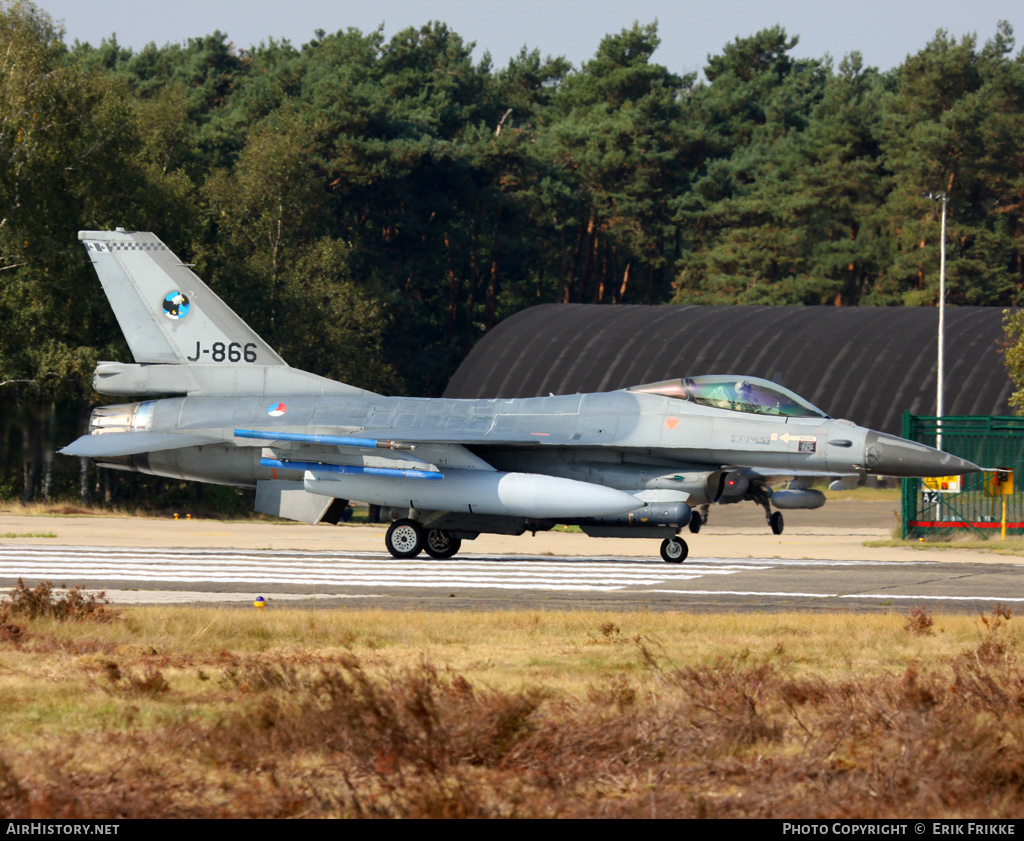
(439, 544)
(404, 538)
(775, 521)
(674, 550)
(695, 522)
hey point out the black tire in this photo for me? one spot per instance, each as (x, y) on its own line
(775, 521)
(404, 538)
(674, 550)
(695, 522)
(439, 544)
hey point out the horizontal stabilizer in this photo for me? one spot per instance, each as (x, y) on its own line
(132, 443)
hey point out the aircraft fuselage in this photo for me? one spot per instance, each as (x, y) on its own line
(619, 439)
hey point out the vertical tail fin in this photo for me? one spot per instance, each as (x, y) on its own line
(166, 312)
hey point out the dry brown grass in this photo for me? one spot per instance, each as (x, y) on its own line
(64, 604)
(192, 713)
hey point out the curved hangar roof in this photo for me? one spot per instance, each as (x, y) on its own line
(868, 364)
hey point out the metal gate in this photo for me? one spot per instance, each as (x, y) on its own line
(966, 503)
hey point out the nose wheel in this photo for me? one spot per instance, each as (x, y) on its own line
(404, 538)
(674, 550)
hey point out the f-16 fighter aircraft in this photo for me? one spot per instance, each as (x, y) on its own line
(216, 404)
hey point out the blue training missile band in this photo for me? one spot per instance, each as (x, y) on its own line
(337, 440)
(317, 467)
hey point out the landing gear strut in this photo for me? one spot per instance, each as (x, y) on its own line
(763, 498)
(674, 550)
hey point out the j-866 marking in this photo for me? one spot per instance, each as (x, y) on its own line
(230, 352)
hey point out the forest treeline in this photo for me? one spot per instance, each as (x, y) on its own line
(372, 206)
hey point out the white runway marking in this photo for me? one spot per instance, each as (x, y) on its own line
(191, 575)
(371, 569)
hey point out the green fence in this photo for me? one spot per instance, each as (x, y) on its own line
(965, 502)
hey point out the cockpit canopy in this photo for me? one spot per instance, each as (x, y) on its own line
(740, 394)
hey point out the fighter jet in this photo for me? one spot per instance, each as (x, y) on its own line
(214, 403)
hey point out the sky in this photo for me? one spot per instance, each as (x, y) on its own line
(883, 31)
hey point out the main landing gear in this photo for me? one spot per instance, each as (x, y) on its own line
(407, 538)
(440, 544)
(674, 550)
(404, 538)
(696, 521)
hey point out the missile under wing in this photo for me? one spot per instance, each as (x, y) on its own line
(215, 403)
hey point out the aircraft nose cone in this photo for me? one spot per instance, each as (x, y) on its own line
(893, 456)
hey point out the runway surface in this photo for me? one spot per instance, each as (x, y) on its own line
(141, 575)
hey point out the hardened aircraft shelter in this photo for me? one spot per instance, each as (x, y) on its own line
(868, 364)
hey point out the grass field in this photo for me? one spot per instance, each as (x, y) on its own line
(1011, 547)
(184, 712)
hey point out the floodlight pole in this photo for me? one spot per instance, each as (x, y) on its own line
(942, 314)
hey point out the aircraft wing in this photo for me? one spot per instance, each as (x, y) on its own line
(132, 443)
(430, 444)
(473, 436)
(412, 438)
(383, 452)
